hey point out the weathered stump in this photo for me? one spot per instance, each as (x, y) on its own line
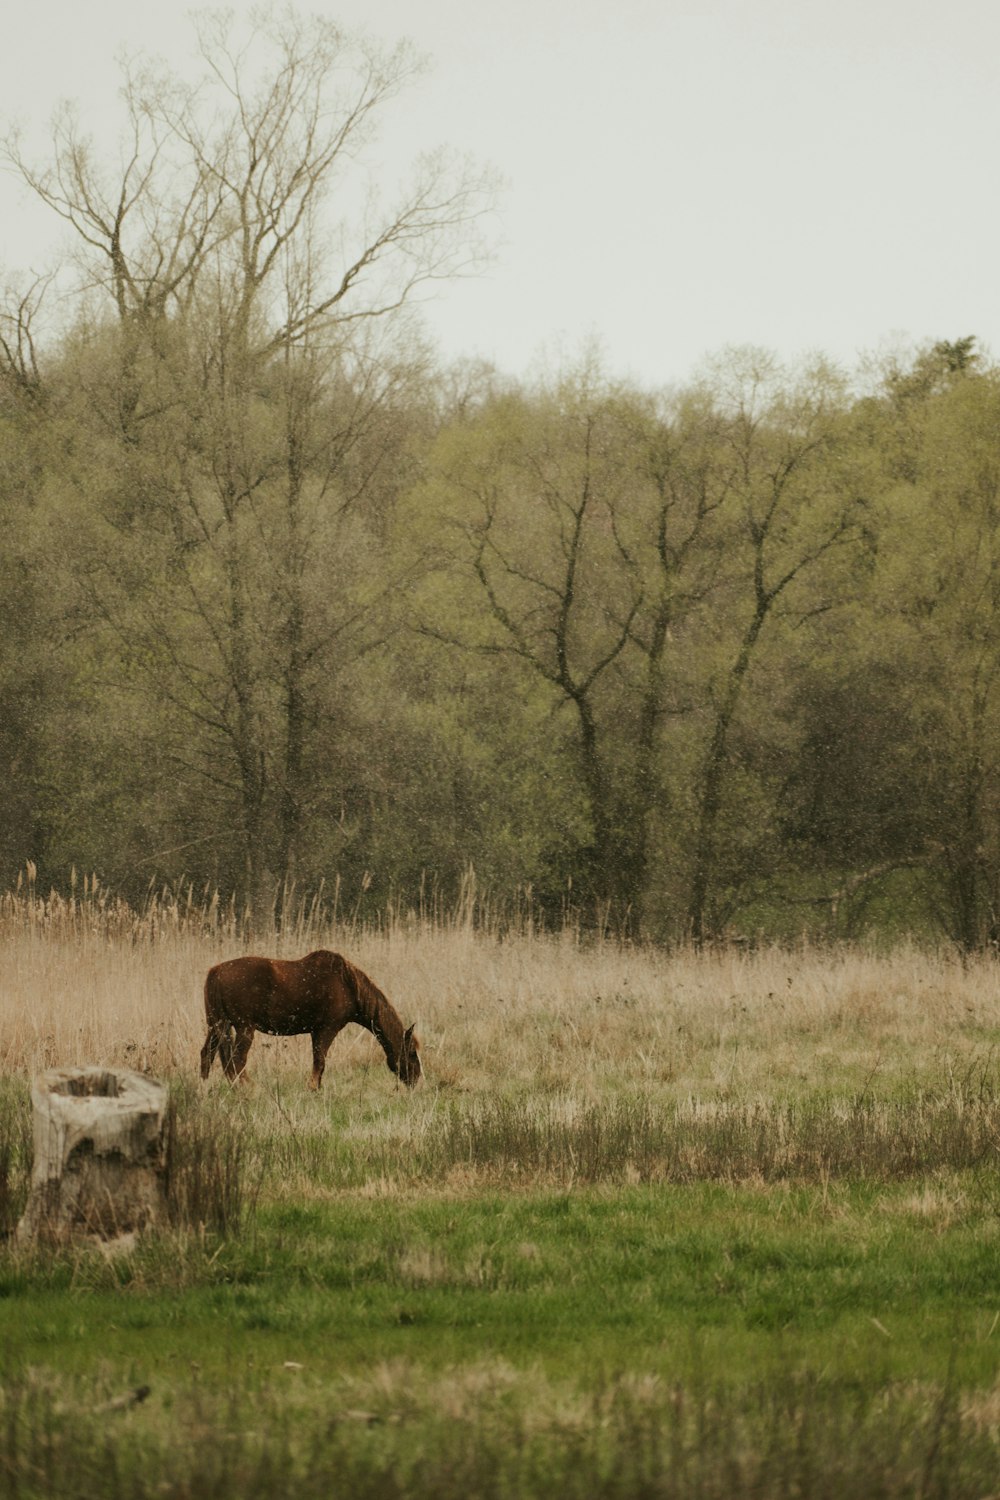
(100, 1165)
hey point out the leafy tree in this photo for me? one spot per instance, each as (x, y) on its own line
(529, 491)
(579, 529)
(245, 412)
(29, 608)
(939, 579)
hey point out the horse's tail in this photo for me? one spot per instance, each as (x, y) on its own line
(219, 1025)
(213, 997)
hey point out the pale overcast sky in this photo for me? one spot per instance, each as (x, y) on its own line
(681, 174)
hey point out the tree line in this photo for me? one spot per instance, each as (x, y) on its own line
(287, 601)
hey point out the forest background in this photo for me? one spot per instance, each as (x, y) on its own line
(293, 611)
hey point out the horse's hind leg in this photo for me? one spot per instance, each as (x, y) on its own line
(235, 1063)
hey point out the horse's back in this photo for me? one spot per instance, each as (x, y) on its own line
(238, 976)
(280, 995)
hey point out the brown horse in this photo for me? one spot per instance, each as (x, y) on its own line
(321, 993)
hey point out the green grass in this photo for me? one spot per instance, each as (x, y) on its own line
(564, 1325)
(646, 1278)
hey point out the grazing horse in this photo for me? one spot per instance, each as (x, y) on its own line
(321, 993)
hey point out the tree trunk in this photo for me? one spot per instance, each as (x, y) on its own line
(100, 1164)
(710, 801)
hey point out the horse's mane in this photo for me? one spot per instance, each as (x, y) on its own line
(374, 1009)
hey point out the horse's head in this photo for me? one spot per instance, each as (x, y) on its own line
(408, 1063)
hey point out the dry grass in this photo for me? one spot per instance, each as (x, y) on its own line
(90, 982)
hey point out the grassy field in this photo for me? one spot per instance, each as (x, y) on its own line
(655, 1224)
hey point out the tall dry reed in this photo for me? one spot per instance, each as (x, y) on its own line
(88, 979)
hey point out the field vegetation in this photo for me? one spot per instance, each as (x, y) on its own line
(298, 628)
(656, 1223)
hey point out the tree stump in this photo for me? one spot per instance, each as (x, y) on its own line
(100, 1165)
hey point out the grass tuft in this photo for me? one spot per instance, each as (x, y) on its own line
(211, 1185)
(794, 1436)
(15, 1152)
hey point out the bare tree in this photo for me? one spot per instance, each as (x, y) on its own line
(677, 547)
(20, 307)
(529, 492)
(581, 518)
(793, 506)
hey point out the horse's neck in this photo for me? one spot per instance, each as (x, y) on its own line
(375, 1013)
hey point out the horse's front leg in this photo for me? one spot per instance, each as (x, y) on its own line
(321, 1040)
(235, 1063)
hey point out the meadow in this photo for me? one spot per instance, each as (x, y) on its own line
(655, 1223)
